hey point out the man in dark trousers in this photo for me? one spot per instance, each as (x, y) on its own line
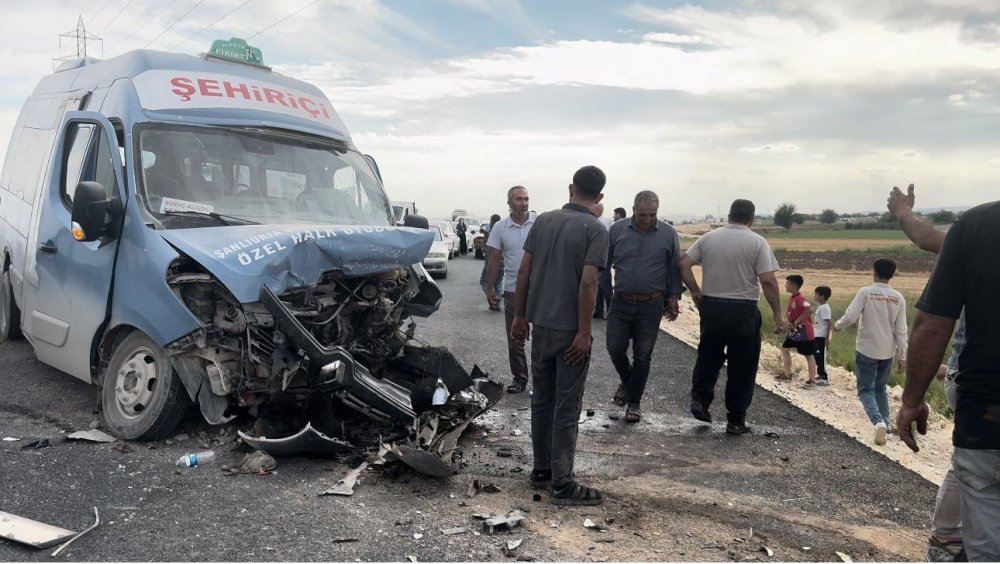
(556, 293)
(963, 277)
(644, 252)
(735, 264)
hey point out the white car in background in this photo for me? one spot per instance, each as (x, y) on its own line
(450, 237)
(436, 261)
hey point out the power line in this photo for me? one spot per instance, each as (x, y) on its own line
(184, 15)
(107, 25)
(202, 30)
(282, 19)
(166, 5)
(104, 5)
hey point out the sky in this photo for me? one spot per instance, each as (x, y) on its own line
(822, 104)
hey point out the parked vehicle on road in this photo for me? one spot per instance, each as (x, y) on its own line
(181, 229)
(450, 237)
(436, 261)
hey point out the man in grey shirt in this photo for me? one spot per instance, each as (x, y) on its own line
(645, 252)
(556, 293)
(736, 263)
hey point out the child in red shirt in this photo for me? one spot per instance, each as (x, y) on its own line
(800, 331)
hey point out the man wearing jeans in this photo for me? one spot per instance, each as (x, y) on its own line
(645, 251)
(736, 263)
(880, 312)
(964, 277)
(506, 244)
(556, 293)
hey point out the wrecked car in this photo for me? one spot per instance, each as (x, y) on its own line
(180, 229)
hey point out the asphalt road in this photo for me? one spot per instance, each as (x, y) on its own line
(677, 489)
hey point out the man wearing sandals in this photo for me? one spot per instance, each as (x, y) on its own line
(556, 293)
(736, 263)
(506, 242)
(645, 252)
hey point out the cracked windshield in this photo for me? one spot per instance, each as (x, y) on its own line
(199, 177)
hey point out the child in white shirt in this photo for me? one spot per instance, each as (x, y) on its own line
(824, 315)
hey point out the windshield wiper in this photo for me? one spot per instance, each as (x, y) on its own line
(222, 218)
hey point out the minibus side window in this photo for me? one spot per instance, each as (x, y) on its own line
(89, 159)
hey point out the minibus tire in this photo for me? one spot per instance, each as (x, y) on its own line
(143, 399)
(10, 315)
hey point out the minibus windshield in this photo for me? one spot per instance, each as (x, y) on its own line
(189, 175)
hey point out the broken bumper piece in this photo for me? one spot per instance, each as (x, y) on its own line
(306, 440)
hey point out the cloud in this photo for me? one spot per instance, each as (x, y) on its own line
(675, 38)
(772, 148)
(909, 153)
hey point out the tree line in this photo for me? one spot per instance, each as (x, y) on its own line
(786, 216)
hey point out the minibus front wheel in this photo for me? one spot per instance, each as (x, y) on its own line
(10, 316)
(143, 398)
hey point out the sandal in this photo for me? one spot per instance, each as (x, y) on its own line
(516, 387)
(633, 415)
(945, 551)
(784, 377)
(619, 397)
(540, 479)
(575, 493)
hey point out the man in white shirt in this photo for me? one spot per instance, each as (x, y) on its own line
(880, 312)
(508, 237)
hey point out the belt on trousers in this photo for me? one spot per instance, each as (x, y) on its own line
(631, 297)
(728, 300)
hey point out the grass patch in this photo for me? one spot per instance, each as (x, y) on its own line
(853, 234)
(841, 350)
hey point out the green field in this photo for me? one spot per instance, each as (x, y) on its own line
(860, 234)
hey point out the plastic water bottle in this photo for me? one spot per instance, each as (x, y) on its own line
(203, 457)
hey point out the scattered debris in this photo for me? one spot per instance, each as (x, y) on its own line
(609, 520)
(412, 558)
(473, 488)
(342, 540)
(807, 548)
(505, 452)
(510, 546)
(717, 545)
(517, 432)
(605, 540)
(10, 439)
(492, 523)
(536, 497)
(123, 447)
(592, 525)
(418, 536)
(256, 462)
(491, 488)
(93, 435)
(785, 459)
(97, 521)
(454, 531)
(614, 416)
(772, 434)
(37, 444)
(345, 486)
(590, 413)
(30, 532)
(767, 551)
(525, 558)
(844, 557)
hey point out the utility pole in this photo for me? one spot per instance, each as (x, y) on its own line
(81, 35)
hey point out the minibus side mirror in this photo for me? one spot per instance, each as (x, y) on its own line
(92, 212)
(417, 221)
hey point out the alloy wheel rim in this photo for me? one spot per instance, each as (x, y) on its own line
(135, 383)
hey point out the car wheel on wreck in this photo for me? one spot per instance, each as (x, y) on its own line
(143, 399)
(10, 316)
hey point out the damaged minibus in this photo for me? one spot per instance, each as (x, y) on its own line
(179, 229)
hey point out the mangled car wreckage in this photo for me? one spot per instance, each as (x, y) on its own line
(207, 232)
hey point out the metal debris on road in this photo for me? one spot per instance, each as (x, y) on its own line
(491, 488)
(844, 557)
(345, 486)
(614, 416)
(590, 412)
(492, 523)
(510, 546)
(418, 536)
(767, 551)
(517, 432)
(256, 462)
(412, 558)
(97, 521)
(454, 531)
(772, 434)
(10, 439)
(343, 540)
(93, 435)
(40, 443)
(587, 523)
(473, 488)
(505, 452)
(30, 532)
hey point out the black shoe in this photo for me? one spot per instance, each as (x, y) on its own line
(737, 429)
(517, 387)
(700, 413)
(598, 315)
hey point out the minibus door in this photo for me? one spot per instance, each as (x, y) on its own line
(69, 287)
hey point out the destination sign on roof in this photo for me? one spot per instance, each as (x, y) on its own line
(236, 49)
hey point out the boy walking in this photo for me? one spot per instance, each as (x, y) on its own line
(824, 316)
(880, 312)
(556, 293)
(800, 330)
